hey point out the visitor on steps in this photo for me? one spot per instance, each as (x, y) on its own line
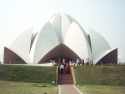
(61, 68)
(77, 61)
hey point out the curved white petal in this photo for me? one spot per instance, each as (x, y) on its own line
(21, 45)
(104, 54)
(76, 40)
(45, 40)
(98, 44)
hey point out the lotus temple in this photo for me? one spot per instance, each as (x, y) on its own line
(61, 37)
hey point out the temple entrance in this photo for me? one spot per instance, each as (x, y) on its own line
(59, 53)
(63, 56)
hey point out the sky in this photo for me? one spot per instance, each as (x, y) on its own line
(104, 16)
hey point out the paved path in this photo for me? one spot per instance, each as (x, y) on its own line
(66, 84)
(68, 89)
(66, 79)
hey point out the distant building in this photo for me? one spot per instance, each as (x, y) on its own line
(61, 37)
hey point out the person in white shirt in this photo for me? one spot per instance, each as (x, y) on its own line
(61, 68)
(77, 61)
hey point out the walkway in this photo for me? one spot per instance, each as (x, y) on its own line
(65, 79)
(68, 89)
(66, 83)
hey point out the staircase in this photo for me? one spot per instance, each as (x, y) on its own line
(65, 78)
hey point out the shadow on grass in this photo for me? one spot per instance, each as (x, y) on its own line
(40, 85)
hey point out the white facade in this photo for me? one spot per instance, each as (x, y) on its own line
(60, 29)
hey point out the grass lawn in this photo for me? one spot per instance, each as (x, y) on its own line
(9, 87)
(101, 79)
(102, 89)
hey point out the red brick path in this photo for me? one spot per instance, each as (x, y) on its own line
(68, 89)
(66, 85)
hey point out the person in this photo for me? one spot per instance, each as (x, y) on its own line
(77, 61)
(61, 68)
(82, 61)
(63, 61)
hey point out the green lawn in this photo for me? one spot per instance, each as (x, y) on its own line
(9, 87)
(101, 79)
(23, 79)
(102, 89)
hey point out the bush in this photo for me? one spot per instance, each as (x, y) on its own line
(28, 73)
(100, 74)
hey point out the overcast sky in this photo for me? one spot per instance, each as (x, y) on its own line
(104, 16)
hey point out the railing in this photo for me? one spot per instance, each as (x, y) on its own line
(73, 74)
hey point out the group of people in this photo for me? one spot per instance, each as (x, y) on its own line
(65, 63)
(64, 68)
